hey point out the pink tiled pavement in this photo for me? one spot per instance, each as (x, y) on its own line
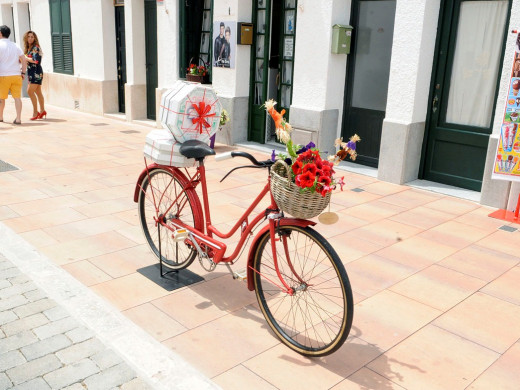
(435, 281)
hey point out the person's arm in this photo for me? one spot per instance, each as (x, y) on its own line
(23, 60)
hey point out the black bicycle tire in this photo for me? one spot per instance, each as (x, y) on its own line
(142, 219)
(348, 300)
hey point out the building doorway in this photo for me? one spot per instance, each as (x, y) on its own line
(368, 72)
(469, 50)
(272, 60)
(120, 56)
(150, 26)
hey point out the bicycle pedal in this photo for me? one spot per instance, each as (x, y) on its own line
(180, 235)
(240, 275)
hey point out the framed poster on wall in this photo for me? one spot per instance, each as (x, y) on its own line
(224, 44)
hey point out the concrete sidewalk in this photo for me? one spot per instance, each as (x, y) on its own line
(434, 278)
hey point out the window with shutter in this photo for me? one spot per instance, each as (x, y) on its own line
(61, 36)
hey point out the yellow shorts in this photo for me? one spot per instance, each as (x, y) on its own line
(10, 83)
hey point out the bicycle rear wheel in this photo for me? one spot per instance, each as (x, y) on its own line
(316, 319)
(165, 189)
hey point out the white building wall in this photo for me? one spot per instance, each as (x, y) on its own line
(168, 43)
(233, 82)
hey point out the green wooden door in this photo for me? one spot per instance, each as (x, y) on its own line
(368, 72)
(469, 53)
(272, 63)
(150, 26)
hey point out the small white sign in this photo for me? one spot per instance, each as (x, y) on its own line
(288, 47)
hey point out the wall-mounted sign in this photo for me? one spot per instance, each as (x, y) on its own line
(288, 47)
(224, 44)
(507, 160)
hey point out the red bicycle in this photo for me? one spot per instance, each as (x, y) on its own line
(300, 282)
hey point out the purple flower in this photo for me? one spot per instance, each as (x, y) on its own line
(288, 161)
(273, 155)
(300, 151)
(351, 145)
(310, 145)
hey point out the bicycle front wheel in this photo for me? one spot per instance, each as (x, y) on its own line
(316, 319)
(163, 189)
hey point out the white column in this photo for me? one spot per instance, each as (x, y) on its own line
(6, 17)
(135, 88)
(21, 21)
(413, 49)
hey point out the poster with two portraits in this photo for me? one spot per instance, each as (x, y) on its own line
(224, 44)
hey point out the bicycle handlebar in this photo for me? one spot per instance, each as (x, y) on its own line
(254, 161)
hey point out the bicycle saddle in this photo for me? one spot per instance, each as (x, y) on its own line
(196, 149)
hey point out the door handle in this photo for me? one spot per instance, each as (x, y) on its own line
(434, 105)
(278, 80)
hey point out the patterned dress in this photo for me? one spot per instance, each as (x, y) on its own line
(35, 71)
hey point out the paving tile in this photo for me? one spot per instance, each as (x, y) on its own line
(455, 234)
(416, 252)
(373, 211)
(480, 262)
(372, 274)
(438, 287)
(69, 251)
(365, 379)
(502, 241)
(288, 370)
(503, 374)
(385, 232)
(384, 188)
(240, 377)
(156, 322)
(506, 286)
(44, 220)
(411, 198)
(85, 228)
(422, 217)
(498, 333)
(48, 204)
(234, 338)
(480, 217)
(125, 261)
(206, 301)
(435, 359)
(452, 205)
(350, 248)
(86, 272)
(38, 238)
(129, 291)
(387, 318)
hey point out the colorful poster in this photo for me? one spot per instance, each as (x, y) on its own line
(507, 160)
(224, 44)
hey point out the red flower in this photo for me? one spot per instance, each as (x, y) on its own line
(310, 167)
(307, 179)
(297, 167)
(324, 180)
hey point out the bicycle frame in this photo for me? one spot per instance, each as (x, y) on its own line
(206, 238)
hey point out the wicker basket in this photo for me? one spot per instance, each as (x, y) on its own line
(196, 78)
(289, 198)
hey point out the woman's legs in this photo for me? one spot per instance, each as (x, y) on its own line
(40, 97)
(31, 91)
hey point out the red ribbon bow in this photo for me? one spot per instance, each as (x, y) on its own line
(202, 110)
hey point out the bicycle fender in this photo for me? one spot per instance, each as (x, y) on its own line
(256, 242)
(151, 167)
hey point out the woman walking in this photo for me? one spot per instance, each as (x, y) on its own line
(33, 53)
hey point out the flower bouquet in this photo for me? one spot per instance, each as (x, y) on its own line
(301, 181)
(196, 73)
